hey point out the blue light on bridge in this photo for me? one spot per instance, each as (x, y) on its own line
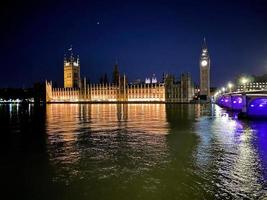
(237, 103)
(251, 104)
(224, 101)
(232, 102)
(258, 107)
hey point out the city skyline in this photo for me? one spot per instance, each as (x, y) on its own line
(147, 37)
(133, 99)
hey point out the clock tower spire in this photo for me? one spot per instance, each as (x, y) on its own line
(204, 64)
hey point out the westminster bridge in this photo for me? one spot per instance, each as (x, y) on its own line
(252, 104)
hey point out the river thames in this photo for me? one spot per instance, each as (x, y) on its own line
(131, 151)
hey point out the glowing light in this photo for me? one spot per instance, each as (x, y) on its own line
(230, 85)
(10, 108)
(204, 63)
(244, 80)
(145, 99)
(258, 108)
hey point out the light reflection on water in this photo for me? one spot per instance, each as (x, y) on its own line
(228, 150)
(105, 142)
(134, 151)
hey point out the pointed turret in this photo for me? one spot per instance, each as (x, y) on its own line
(116, 74)
(204, 44)
(204, 50)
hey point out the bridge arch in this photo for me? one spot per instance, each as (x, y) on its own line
(237, 102)
(225, 101)
(257, 107)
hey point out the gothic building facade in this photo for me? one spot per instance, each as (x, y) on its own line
(169, 90)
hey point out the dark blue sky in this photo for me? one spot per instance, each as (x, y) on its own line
(147, 36)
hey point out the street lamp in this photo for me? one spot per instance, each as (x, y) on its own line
(230, 86)
(223, 89)
(244, 82)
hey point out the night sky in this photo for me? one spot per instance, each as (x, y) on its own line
(146, 36)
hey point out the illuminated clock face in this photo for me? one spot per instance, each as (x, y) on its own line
(204, 63)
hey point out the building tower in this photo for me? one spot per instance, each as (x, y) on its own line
(204, 64)
(116, 74)
(71, 71)
(187, 88)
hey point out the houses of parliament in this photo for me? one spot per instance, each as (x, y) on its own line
(119, 90)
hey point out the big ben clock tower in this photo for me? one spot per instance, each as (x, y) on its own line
(204, 64)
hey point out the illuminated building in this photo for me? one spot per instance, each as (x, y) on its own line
(151, 80)
(107, 93)
(154, 79)
(204, 64)
(147, 81)
(72, 71)
(119, 90)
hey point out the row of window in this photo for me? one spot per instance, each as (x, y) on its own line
(67, 91)
(254, 83)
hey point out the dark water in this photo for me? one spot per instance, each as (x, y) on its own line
(142, 151)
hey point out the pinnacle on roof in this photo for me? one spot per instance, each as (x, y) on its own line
(204, 44)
